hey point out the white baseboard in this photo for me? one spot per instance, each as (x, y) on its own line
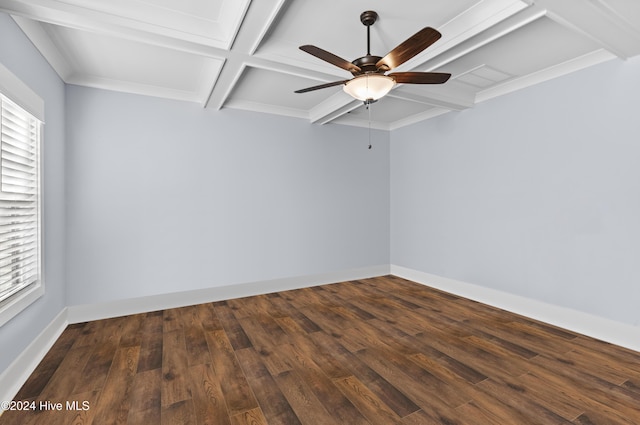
(13, 377)
(617, 333)
(87, 312)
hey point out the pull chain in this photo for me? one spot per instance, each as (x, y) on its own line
(368, 104)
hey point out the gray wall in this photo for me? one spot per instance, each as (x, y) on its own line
(166, 196)
(536, 193)
(23, 60)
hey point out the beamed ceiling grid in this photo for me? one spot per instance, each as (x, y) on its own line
(244, 54)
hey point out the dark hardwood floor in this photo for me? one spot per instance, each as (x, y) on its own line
(375, 351)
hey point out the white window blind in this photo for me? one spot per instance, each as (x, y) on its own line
(19, 200)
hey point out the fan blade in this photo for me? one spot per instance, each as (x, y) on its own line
(419, 77)
(409, 48)
(331, 58)
(321, 86)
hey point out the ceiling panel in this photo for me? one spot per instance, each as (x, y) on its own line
(340, 31)
(213, 22)
(266, 87)
(244, 54)
(624, 9)
(541, 44)
(388, 110)
(102, 59)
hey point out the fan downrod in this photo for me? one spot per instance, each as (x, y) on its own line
(368, 18)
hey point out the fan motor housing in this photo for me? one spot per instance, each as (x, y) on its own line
(367, 64)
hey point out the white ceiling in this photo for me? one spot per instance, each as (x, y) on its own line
(244, 54)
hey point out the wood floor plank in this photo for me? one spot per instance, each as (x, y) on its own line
(328, 320)
(535, 338)
(308, 409)
(487, 363)
(50, 363)
(517, 397)
(86, 412)
(180, 413)
(494, 410)
(373, 351)
(462, 370)
(259, 305)
(412, 345)
(175, 380)
(623, 358)
(371, 406)
(323, 358)
(394, 398)
(422, 417)
(594, 394)
(171, 320)
(324, 389)
(95, 372)
(557, 401)
(208, 318)
(131, 331)
(90, 334)
(250, 417)
(414, 381)
(208, 399)
(237, 392)
(63, 381)
(151, 342)
(114, 401)
(475, 415)
(231, 326)
(194, 337)
(296, 315)
(264, 346)
(146, 399)
(274, 405)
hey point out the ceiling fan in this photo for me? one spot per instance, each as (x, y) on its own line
(370, 81)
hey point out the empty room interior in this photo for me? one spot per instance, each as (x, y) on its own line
(294, 212)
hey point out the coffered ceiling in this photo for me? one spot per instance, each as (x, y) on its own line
(244, 54)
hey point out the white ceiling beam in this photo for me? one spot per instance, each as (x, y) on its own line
(333, 107)
(266, 108)
(235, 66)
(107, 18)
(412, 119)
(502, 29)
(83, 19)
(444, 99)
(471, 22)
(223, 86)
(581, 62)
(39, 37)
(599, 22)
(348, 119)
(135, 88)
(261, 17)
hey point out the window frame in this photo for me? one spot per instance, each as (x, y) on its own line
(12, 88)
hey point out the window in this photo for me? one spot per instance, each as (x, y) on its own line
(20, 224)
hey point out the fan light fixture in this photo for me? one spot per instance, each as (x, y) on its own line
(369, 87)
(370, 80)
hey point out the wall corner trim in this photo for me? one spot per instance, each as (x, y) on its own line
(13, 377)
(601, 328)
